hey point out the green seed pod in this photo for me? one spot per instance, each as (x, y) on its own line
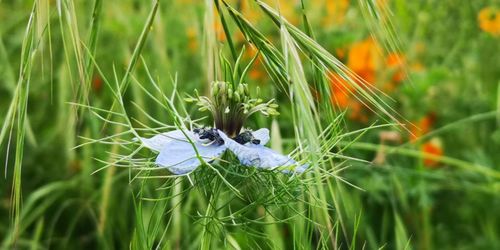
(247, 92)
(272, 111)
(222, 88)
(229, 93)
(189, 99)
(215, 88)
(237, 97)
(241, 90)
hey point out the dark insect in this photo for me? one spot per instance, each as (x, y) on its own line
(212, 135)
(245, 137)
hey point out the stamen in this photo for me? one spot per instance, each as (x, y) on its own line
(245, 137)
(209, 133)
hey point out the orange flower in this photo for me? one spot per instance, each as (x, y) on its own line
(422, 127)
(96, 83)
(362, 59)
(257, 71)
(341, 96)
(434, 148)
(335, 12)
(489, 20)
(340, 53)
(358, 112)
(340, 91)
(219, 30)
(395, 61)
(395, 64)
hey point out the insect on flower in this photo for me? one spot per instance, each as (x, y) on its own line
(182, 151)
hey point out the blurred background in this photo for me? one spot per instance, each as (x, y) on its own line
(432, 183)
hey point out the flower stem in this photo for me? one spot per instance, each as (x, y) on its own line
(206, 240)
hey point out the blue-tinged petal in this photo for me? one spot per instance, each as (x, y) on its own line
(158, 142)
(258, 155)
(298, 169)
(180, 158)
(301, 168)
(262, 135)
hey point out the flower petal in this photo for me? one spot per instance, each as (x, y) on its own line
(301, 168)
(159, 141)
(179, 157)
(263, 157)
(259, 155)
(262, 135)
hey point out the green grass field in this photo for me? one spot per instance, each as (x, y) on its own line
(392, 107)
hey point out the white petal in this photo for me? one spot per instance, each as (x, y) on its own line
(157, 142)
(258, 155)
(179, 157)
(262, 135)
(263, 157)
(301, 168)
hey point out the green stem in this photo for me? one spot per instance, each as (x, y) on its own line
(228, 36)
(206, 240)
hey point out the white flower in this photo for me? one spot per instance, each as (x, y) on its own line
(178, 155)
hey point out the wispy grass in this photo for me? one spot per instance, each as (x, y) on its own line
(114, 196)
(17, 117)
(219, 186)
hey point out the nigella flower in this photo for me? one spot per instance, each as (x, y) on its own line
(230, 104)
(180, 151)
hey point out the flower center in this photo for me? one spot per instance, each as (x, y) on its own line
(212, 135)
(231, 105)
(230, 102)
(209, 133)
(245, 137)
